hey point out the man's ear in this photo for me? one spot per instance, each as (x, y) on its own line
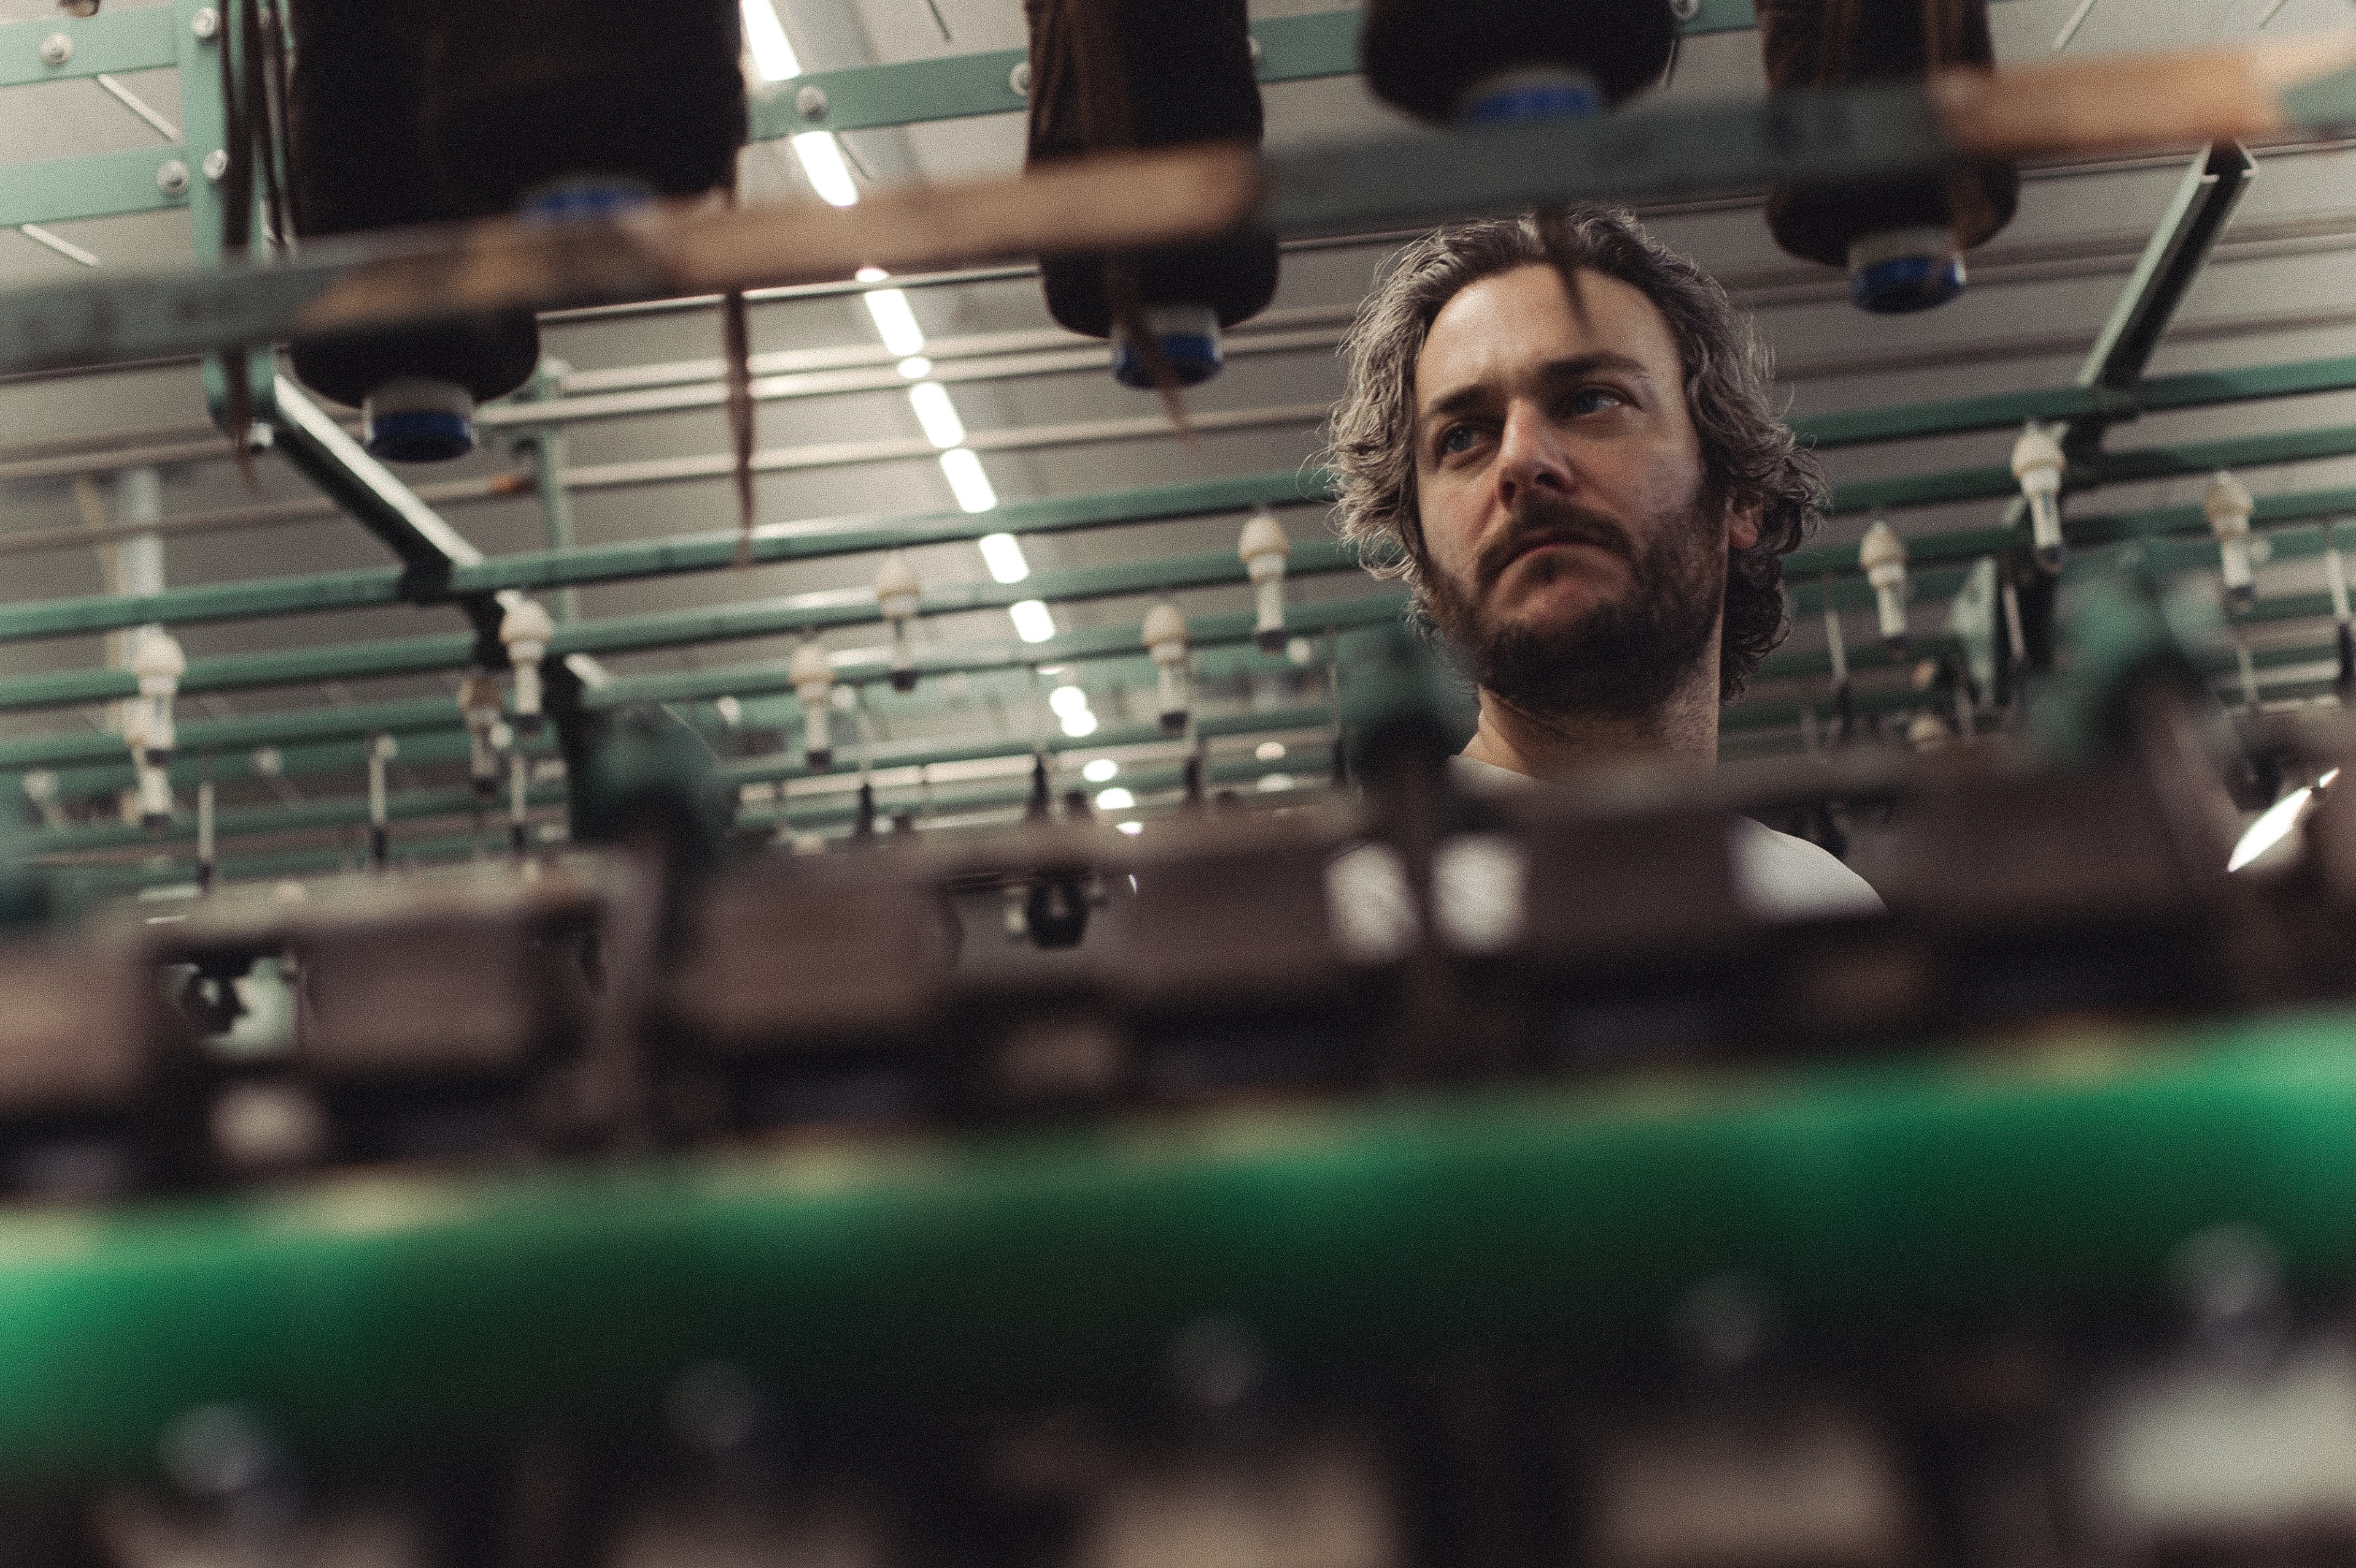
(1742, 518)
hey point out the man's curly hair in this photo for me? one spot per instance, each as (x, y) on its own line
(1750, 455)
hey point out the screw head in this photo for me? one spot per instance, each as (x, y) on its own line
(809, 103)
(172, 179)
(206, 23)
(1018, 80)
(216, 165)
(56, 49)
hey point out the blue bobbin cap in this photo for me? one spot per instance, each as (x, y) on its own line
(1902, 270)
(415, 419)
(1188, 337)
(578, 198)
(1530, 93)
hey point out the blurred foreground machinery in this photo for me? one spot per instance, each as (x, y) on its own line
(1408, 1179)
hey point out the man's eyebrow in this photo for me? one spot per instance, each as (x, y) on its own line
(1564, 369)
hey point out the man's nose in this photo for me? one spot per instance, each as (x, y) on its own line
(1530, 456)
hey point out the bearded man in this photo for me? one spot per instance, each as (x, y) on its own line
(1563, 435)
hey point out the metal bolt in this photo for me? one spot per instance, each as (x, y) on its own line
(1018, 80)
(809, 103)
(172, 179)
(56, 49)
(216, 165)
(205, 23)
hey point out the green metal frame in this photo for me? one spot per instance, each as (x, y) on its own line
(1652, 150)
(415, 805)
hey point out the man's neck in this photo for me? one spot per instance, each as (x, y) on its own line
(1559, 748)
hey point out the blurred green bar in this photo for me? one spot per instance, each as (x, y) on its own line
(864, 1285)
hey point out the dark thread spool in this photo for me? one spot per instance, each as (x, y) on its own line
(360, 163)
(526, 94)
(1455, 61)
(1109, 74)
(1824, 44)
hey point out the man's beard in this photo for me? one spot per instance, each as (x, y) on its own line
(1624, 659)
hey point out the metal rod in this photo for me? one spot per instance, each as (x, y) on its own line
(58, 242)
(2070, 28)
(139, 106)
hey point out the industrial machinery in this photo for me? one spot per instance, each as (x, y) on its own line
(681, 1114)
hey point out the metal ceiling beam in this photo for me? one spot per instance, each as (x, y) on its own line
(1225, 639)
(641, 559)
(2180, 244)
(671, 628)
(830, 813)
(414, 805)
(442, 565)
(2100, 468)
(1939, 562)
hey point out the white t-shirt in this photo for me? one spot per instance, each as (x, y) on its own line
(1781, 877)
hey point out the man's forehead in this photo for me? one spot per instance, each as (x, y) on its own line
(1521, 320)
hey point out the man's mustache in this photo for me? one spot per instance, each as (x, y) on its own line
(1547, 522)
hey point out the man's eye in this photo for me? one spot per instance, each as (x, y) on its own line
(1595, 400)
(1455, 439)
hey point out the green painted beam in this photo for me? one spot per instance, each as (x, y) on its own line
(2203, 203)
(2104, 468)
(787, 766)
(414, 805)
(1223, 643)
(540, 570)
(425, 655)
(94, 185)
(113, 42)
(171, 870)
(235, 734)
(639, 559)
(406, 805)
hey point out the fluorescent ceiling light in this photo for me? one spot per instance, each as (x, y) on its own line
(1003, 554)
(894, 321)
(1275, 783)
(915, 367)
(1270, 751)
(765, 42)
(1132, 829)
(1067, 700)
(1035, 622)
(1080, 725)
(1102, 771)
(1115, 799)
(939, 417)
(966, 481)
(822, 162)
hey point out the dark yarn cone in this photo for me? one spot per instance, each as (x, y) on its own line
(358, 163)
(1146, 73)
(522, 93)
(1426, 55)
(1824, 44)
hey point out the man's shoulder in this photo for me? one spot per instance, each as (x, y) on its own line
(1788, 878)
